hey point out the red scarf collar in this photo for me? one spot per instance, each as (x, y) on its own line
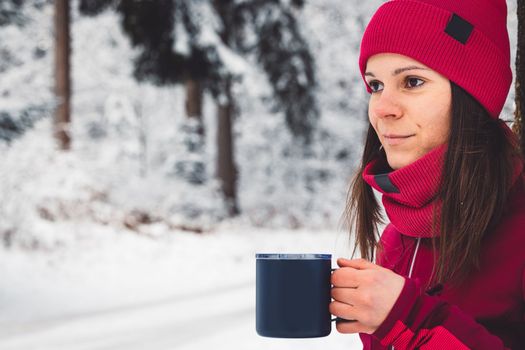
(409, 193)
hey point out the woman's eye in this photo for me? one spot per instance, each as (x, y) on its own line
(412, 82)
(374, 85)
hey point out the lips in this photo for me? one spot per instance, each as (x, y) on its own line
(396, 139)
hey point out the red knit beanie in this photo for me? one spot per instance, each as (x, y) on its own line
(464, 40)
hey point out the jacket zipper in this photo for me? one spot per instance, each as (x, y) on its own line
(411, 268)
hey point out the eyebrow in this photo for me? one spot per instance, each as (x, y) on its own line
(399, 70)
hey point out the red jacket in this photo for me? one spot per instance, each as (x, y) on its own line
(486, 312)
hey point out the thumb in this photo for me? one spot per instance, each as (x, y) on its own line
(360, 264)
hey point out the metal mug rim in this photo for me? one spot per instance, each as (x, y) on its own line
(294, 256)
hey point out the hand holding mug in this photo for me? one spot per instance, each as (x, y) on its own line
(364, 292)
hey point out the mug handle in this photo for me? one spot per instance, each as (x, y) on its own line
(339, 319)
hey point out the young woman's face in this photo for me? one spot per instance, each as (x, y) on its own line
(409, 108)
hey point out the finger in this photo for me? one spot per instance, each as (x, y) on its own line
(344, 295)
(345, 277)
(342, 310)
(360, 264)
(349, 327)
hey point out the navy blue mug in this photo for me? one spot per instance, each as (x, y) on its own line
(293, 295)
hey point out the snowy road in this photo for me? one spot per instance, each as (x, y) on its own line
(163, 324)
(190, 292)
(189, 322)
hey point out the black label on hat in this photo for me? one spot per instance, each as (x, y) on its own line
(459, 29)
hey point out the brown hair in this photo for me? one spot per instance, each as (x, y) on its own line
(475, 182)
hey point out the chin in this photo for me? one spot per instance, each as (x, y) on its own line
(399, 161)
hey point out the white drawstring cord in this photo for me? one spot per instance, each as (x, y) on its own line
(414, 258)
(412, 265)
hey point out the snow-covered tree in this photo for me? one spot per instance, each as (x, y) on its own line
(10, 11)
(151, 26)
(199, 42)
(284, 55)
(22, 57)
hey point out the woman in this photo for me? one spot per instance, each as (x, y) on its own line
(450, 265)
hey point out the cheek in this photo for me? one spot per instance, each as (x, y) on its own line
(437, 132)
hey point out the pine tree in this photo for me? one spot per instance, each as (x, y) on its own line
(279, 48)
(95, 7)
(10, 11)
(14, 122)
(284, 55)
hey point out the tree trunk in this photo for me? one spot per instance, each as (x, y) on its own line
(62, 74)
(194, 102)
(226, 171)
(520, 76)
(192, 167)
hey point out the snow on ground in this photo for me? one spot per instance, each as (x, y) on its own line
(117, 290)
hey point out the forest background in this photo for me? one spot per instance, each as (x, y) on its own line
(142, 140)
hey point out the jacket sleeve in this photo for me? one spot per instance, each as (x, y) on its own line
(421, 321)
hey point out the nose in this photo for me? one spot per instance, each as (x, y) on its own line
(386, 104)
